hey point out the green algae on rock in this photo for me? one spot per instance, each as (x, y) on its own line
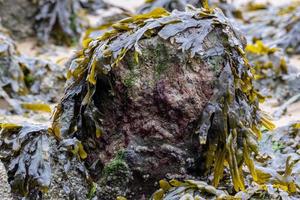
(190, 103)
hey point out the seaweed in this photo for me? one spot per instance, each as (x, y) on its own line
(93, 5)
(277, 27)
(188, 189)
(169, 5)
(58, 18)
(23, 80)
(228, 8)
(39, 166)
(227, 122)
(26, 149)
(269, 65)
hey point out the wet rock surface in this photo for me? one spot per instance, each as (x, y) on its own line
(153, 129)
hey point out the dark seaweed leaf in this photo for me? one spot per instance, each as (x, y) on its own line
(26, 149)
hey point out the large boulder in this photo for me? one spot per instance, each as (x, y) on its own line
(162, 95)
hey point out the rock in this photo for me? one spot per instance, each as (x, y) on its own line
(5, 192)
(162, 95)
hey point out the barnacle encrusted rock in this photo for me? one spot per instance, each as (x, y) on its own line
(162, 95)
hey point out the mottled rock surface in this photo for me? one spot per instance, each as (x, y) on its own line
(5, 192)
(152, 116)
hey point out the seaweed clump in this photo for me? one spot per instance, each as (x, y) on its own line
(275, 26)
(38, 166)
(172, 91)
(23, 83)
(59, 18)
(188, 189)
(169, 5)
(229, 9)
(27, 153)
(269, 64)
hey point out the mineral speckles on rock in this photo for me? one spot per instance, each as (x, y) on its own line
(5, 192)
(169, 98)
